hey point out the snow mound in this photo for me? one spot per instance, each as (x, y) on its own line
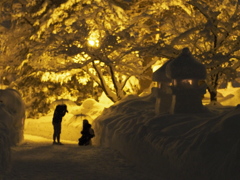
(72, 121)
(5, 127)
(180, 146)
(14, 105)
(90, 108)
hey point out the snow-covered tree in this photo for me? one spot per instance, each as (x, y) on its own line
(211, 30)
(109, 42)
(220, 36)
(97, 37)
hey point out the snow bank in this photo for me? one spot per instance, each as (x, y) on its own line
(72, 121)
(231, 96)
(12, 113)
(184, 146)
(43, 127)
(15, 107)
(5, 126)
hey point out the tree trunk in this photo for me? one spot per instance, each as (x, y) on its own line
(213, 95)
(145, 82)
(214, 86)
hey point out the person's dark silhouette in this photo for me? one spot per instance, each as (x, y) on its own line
(59, 112)
(87, 134)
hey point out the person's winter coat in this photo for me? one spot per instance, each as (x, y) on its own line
(59, 112)
(87, 135)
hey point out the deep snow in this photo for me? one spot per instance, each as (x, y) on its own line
(184, 146)
(175, 146)
(12, 115)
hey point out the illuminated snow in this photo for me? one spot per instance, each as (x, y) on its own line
(169, 145)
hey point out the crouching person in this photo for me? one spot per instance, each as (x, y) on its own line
(87, 134)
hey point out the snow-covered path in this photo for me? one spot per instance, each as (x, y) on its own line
(38, 159)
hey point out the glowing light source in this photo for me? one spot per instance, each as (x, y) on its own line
(93, 43)
(187, 81)
(93, 39)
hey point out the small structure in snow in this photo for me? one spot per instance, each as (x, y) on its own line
(162, 90)
(180, 85)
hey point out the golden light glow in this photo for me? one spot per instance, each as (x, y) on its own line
(158, 63)
(80, 58)
(56, 77)
(64, 77)
(132, 85)
(93, 39)
(183, 82)
(92, 43)
(187, 81)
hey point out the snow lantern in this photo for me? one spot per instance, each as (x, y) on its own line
(162, 90)
(188, 83)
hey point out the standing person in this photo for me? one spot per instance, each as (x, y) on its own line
(59, 112)
(87, 134)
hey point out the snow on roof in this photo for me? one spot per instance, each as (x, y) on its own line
(185, 66)
(173, 146)
(160, 74)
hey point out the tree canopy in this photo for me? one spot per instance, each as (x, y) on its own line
(111, 42)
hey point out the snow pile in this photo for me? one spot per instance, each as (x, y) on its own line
(182, 146)
(90, 108)
(72, 121)
(5, 125)
(15, 107)
(12, 113)
(231, 96)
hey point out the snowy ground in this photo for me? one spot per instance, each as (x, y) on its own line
(38, 159)
(200, 146)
